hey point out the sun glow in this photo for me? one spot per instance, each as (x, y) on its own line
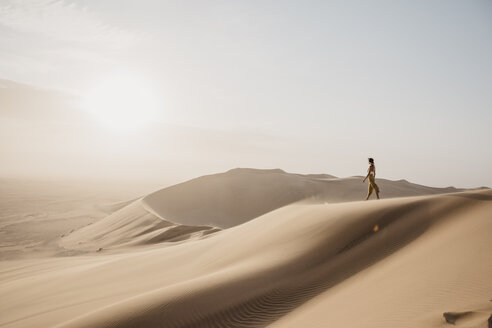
(122, 102)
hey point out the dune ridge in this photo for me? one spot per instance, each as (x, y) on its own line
(227, 199)
(202, 206)
(130, 225)
(309, 265)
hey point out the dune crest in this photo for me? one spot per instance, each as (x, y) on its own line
(228, 199)
(204, 205)
(130, 225)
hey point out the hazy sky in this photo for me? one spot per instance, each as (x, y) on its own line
(306, 86)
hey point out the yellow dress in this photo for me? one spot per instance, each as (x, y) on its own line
(372, 181)
(372, 184)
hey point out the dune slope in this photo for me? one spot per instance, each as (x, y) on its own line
(128, 226)
(239, 195)
(196, 208)
(391, 263)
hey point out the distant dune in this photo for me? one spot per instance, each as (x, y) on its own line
(421, 261)
(201, 206)
(239, 195)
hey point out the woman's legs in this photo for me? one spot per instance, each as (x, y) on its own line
(377, 189)
(372, 186)
(370, 190)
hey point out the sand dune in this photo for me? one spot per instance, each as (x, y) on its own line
(130, 225)
(400, 262)
(192, 209)
(34, 214)
(239, 195)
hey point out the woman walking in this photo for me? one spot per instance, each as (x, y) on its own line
(371, 174)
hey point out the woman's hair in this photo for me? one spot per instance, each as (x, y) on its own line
(371, 160)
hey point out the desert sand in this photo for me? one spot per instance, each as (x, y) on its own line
(257, 248)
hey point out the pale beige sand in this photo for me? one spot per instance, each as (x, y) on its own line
(131, 225)
(302, 265)
(182, 212)
(239, 195)
(34, 214)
